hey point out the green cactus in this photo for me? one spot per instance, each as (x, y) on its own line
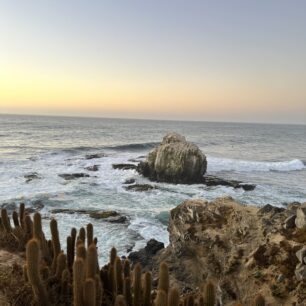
(163, 282)
(119, 275)
(147, 289)
(78, 280)
(209, 294)
(89, 292)
(56, 246)
(259, 300)
(173, 297)
(89, 234)
(161, 298)
(33, 261)
(137, 285)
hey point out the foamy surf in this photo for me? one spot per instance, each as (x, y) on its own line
(216, 164)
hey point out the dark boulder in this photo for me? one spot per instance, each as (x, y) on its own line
(73, 176)
(124, 166)
(140, 187)
(92, 168)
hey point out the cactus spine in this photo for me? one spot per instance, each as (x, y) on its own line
(91, 262)
(89, 292)
(173, 297)
(161, 298)
(209, 294)
(78, 278)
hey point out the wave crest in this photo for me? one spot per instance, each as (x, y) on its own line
(217, 164)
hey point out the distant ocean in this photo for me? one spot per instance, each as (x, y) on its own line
(270, 156)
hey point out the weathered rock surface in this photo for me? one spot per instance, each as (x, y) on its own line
(140, 187)
(92, 168)
(300, 220)
(73, 176)
(94, 156)
(124, 166)
(237, 246)
(175, 161)
(129, 181)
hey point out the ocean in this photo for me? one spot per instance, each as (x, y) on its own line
(271, 156)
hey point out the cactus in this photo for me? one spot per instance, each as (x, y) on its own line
(99, 290)
(147, 289)
(25, 272)
(119, 276)
(127, 291)
(112, 286)
(113, 255)
(173, 297)
(190, 301)
(89, 234)
(209, 294)
(163, 282)
(15, 219)
(89, 292)
(70, 252)
(126, 268)
(28, 225)
(37, 228)
(137, 285)
(21, 214)
(120, 300)
(81, 251)
(60, 265)
(5, 220)
(91, 262)
(65, 283)
(78, 279)
(82, 234)
(259, 300)
(56, 246)
(161, 298)
(33, 260)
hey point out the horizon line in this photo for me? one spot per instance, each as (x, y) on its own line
(148, 119)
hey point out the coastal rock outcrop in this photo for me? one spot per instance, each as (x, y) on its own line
(175, 161)
(224, 241)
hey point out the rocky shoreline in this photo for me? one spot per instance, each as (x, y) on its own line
(237, 246)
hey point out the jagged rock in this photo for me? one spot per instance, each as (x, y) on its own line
(124, 166)
(103, 214)
(32, 176)
(92, 168)
(174, 161)
(300, 220)
(129, 181)
(73, 176)
(269, 209)
(140, 187)
(301, 254)
(210, 180)
(145, 255)
(290, 222)
(35, 206)
(94, 156)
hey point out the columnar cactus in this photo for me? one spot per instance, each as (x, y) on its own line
(209, 294)
(163, 282)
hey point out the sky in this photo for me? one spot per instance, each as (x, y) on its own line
(164, 59)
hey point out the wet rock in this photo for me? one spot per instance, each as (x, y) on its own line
(32, 176)
(35, 206)
(140, 187)
(92, 168)
(118, 219)
(300, 220)
(73, 176)
(94, 156)
(301, 254)
(174, 161)
(210, 180)
(270, 209)
(144, 256)
(10, 207)
(290, 222)
(103, 214)
(124, 166)
(129, 181)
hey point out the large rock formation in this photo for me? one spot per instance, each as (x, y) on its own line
(238, 247)
(175, 161)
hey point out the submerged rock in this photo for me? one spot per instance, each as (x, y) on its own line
(140, 187)
(174, 161)
(129, 181)
(73, 176)
(124, 166)
(94, 156)
(92, 168)
(32, 176)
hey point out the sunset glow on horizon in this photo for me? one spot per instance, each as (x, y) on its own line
(198, 60)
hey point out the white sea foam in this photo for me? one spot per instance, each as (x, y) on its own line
(216, 164)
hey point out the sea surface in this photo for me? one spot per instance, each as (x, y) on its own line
(270, 156)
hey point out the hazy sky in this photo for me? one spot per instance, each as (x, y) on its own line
(202, 60)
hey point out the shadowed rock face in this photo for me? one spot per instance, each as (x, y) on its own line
(174, 161)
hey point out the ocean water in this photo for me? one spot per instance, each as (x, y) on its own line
(270, 156)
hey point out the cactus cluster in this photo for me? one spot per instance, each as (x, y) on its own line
(75, 278)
